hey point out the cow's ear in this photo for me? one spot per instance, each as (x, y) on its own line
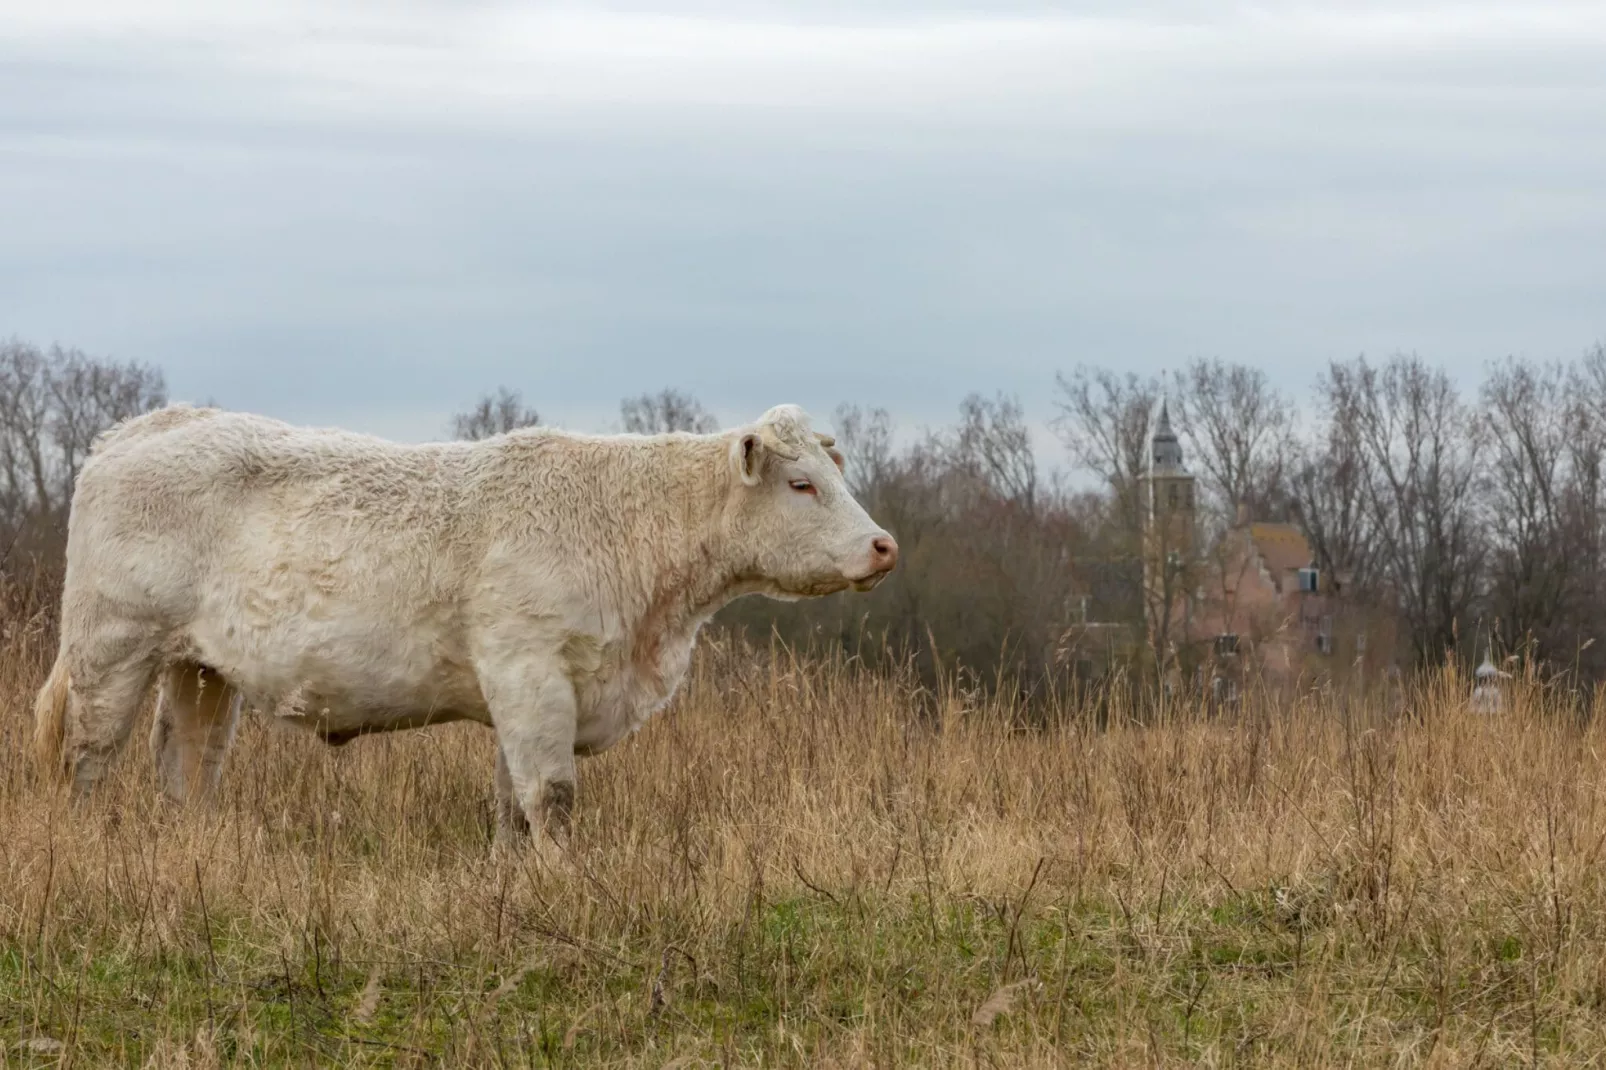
(747, 456)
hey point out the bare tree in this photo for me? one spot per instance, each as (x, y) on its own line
(1103, 420)
(994, 445)
(1241, 433)
(494, 414)
(52, 406)
(1531, 422)
(668, 410)
(1423, 445)
(1586, 382)
(1330, 488)
(1587, 457)
(865, 440)
(25, 418)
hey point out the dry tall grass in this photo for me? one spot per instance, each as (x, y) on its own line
(794, 866)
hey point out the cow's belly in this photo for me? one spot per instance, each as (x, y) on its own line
(346, 674)
(344, 666)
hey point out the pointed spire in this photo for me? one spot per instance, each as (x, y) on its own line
(1167, 450)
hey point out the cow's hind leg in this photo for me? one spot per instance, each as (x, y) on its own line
(110, 679)
(196, 714)
(512, 827)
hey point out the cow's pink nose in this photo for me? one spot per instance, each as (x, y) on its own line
(884, 549)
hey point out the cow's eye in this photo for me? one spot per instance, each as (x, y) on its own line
(802, 486)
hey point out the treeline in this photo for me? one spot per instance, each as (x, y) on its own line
(1474, 517)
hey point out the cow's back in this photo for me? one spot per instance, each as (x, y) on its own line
(268, 550)
(199, 476)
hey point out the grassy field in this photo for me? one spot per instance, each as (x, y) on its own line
(807, 865)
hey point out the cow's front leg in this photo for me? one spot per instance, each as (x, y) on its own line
(533, 711)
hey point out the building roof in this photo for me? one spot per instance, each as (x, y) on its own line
(1281, 546)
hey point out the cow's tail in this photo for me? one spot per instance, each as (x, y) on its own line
(50, 717)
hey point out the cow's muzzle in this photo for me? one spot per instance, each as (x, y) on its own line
(883, 559)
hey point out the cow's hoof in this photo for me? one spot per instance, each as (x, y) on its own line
(508, 844)
(557, 809)
(549, 855)
(511, 828)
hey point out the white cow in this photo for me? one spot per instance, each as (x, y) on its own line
(545, 583)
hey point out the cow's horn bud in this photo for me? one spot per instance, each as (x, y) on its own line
(829, 444)
(773, 443)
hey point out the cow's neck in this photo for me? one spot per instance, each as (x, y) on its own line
(689, 575)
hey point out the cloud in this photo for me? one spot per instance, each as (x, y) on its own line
(364, 213)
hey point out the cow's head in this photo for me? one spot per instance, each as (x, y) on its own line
(794, 522)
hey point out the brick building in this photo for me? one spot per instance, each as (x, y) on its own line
(1250, 603)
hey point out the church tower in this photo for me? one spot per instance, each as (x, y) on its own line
(1171, 505)
(1170, 572)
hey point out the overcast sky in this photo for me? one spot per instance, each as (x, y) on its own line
(367, 214)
